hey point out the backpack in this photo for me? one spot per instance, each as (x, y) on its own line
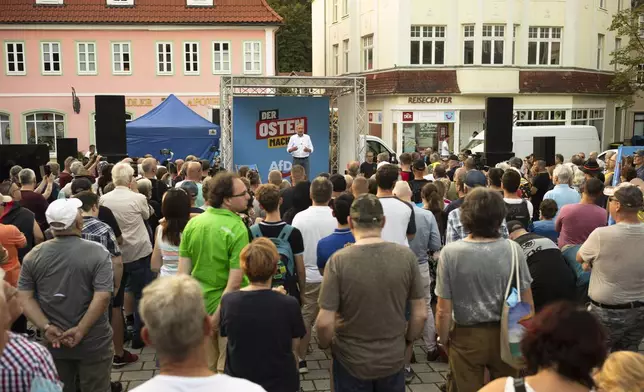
(519, 212)
(285, 274)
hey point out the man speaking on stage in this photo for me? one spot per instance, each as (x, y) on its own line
(300, 147)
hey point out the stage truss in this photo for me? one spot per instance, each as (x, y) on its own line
(302, 86)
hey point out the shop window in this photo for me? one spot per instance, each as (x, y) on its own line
(594, 117)
(45, 128)
(5, 129)
(638, 124)
(527, 118)
(419, 136)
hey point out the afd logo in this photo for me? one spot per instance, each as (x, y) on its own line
(408, 116)
(282, 166)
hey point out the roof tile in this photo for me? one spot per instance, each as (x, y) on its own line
(143, 12)
(564, 82)
(413, 82)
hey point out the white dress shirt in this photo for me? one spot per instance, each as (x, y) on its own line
(300, 142)
(444, 148)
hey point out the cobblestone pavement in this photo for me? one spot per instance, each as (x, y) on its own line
(428, 374)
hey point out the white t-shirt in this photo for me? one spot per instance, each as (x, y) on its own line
(218, 382)
(444, 148)
(399, 220)
(519, 201)
(314, 223)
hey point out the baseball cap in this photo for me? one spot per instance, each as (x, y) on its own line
(514, 225)
(61, 214)
(5, 199)
(190, 187)
(81, 184)
(475, 178)
(627, 194)
(640, 153)
(367, 208)
(381, 164)
(419, 164)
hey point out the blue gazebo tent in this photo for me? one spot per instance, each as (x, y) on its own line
(172, 125)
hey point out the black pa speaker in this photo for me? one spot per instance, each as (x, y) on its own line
(30, 156)
(216, 113)
(110, 124)
(66, 147)
(498, 124)
(544, 149)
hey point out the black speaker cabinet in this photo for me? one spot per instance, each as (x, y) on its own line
(110, 124)
(30, 156)
(216, 113)
(498, 124)
(67, 147)
(492, 158)
(544, 149)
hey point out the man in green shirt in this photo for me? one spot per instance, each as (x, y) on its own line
(210, 248)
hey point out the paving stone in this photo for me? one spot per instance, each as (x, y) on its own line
(152, 365)
(137, 376)
(134, 384)
(326, 364)
(147, 357)
(420, 368)
(430, 377)
(312, 365)
(148, 350)
(439, 366)
(424, 388)
(307, 386)
(317, 374)
(415, 380)
(138, 365)
(316, 356)
(419, 352)
(322, 384)
(115, 376)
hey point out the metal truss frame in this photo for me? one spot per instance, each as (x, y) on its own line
(301, 86)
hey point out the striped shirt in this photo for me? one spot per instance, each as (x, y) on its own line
(27, 366)
(169, 255)
(96, 231)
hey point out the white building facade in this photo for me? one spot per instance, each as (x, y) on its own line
(430, 64)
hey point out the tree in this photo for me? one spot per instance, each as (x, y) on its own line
(294, 37)
(628, 81)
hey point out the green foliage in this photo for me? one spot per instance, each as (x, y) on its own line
(628, 81)
(294, 37)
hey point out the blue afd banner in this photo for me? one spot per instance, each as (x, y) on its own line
(262, 127)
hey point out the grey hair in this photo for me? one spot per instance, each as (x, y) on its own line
(122, 174)
(383, 157)
(563, 174)
(75, 167)
(144, 186)
(27, 177)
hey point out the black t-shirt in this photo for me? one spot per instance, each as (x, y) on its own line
(273, 229)
(454, 205)
(552, 278)
(260, 326)
(542, 182)
(106, 216)
(416, 189)
(368, 169)
(196, 210)
(287, 199)
(159, 188)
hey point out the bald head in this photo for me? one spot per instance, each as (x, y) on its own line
(149, 167)
(403, 191)
(275, 177)
(193, 171)
(360, 186)
(353, 168)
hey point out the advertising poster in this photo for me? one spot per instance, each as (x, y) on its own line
(262, 127)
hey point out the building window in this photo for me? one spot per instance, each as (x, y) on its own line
(367, 52)
(620, 5)
(86, 58)
(50, 58)
(600, 50)
(336, 60)
(164, 58)
(45, 128)
(221, 57)
(514, 43)
(191, 58)
(594, 117)
(15, 57)
(493, 41)
(468, 44)
(345, 7)
(639, 76)
(427, 45)
(641, 24)
(618, 47)
(5, 129)
(544, 45)
(638, 124)
(602, 4)
(345, 60)
(120, 2)
(121, 58)
(335, 10)
(253, 57)
(527, 118)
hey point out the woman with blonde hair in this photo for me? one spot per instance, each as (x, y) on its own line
(623, 371)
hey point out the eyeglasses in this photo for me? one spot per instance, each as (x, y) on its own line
(244, 193)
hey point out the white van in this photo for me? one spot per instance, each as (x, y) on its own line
(373, 143)
(570, 139)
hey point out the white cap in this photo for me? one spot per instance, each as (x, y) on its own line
(5, 199)
(62, 213)
(381, 164)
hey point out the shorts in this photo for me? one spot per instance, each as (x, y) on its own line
(310, 308)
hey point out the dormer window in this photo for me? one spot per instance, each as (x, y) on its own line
(50, 2)
(120, 2)
(199, 3)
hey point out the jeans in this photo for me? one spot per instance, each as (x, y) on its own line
(136, 276)
(343, 381)
(304, 162)
(625, 327)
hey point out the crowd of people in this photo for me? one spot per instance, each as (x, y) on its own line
(228, 277)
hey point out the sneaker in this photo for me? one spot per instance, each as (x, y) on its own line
(303, 368)
(409, 375)
(122, 360)
(433, 355)
(116, 386)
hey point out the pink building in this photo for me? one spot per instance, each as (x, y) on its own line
(143, 49)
